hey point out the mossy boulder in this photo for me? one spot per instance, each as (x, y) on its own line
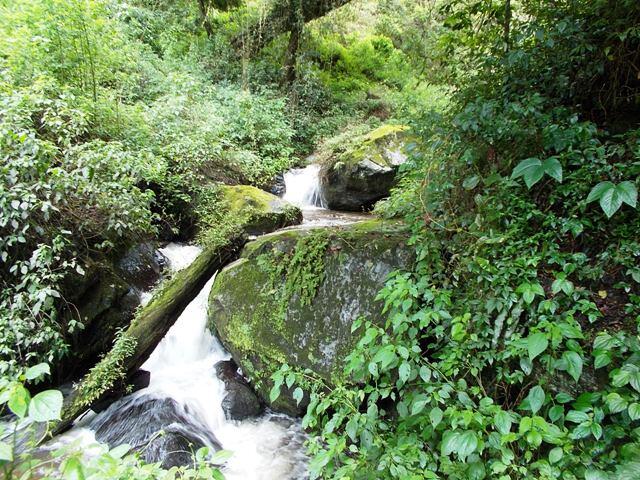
(293, 296)
(259, 211)
(362, 172)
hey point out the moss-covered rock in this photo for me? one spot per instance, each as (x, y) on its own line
(293, 296)
(259, 211)
(362, 172)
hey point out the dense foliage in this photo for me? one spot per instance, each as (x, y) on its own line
(511, 350)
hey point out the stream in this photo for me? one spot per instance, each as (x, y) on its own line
(184, 396)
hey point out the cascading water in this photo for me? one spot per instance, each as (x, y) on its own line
(184, 396)
(303, 187)
(185, 393)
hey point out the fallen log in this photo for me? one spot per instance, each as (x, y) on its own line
(150, 325)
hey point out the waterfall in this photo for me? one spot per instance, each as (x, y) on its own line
(303, 187)
(184, 384)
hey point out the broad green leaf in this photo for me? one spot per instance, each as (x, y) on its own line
(435, 415)
(352, 428)
(553, 168)
(574, 364)
(274, 393)
(576, 416)
(221, 456)
(72, 469)
(602, 360)
(298, 394)
(610, 202)
(599, 190)
(616, 403)
(404, 372)
(503, 422)
(19, 400)
(46, 406)
(536, 344)
(37, 371)
(634, 411)
(628, 193)
(555, 455)
(471, 182)
(536, 398)
(525, 166)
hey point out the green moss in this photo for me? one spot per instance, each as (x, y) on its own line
(104, 376)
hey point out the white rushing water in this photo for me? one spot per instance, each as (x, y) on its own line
(182, 367)
(303, 187)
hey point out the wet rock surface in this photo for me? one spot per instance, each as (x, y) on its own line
(157, 428)
(240, 401)
(355, 179)
(264, 323)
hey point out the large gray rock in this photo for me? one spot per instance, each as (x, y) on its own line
(159, 429)
(356, 177)
(240, 401)
(294, 295)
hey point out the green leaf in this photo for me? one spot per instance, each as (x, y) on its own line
(298, 394)
(275, 392)
(610, 202)
(536, 344)
(425, 373)
(72, 469)
(471, 182)
(556, 412)
(503, 422)
(555, 455)
(435, 415)
(599, 190)
(220, 457)
(46, 406)
(530, 169)
(119, 451)
(6, 452)
(462, 443)
(576, 416)
(37, 371)
(602, 360)
(19, 400)
(553, 168)
(352, 428)
(628, 193)
(616, 403)
(634, 411)
(404, 372)
(536, 398)
(574, 364)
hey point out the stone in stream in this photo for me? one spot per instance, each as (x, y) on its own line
(356, 177)
(258, 211)
(240, 401)
(159, 429)
(294, 295)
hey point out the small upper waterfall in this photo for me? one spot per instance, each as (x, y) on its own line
(303, 187)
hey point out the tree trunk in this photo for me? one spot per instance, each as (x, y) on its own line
(278, 22)
(507, 25)
(296, 28)
(204, 13)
